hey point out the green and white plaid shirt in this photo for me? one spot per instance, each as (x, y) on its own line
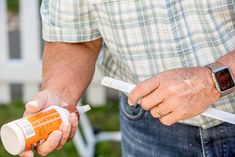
(145, 37)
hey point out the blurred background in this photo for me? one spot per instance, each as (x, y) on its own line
(20, 73)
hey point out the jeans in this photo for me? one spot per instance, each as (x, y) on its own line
(145, 136)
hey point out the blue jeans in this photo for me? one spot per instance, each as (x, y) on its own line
(145, 136)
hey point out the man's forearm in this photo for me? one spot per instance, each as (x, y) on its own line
(68, 68)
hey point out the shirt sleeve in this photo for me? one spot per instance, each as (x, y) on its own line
(67, 21)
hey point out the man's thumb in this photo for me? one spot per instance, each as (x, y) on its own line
(37, 104)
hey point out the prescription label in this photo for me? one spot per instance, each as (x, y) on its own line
(36, 128)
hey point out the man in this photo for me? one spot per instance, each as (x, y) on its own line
(163, 47)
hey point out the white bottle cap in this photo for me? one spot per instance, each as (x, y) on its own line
(12, 138)
(83, 109)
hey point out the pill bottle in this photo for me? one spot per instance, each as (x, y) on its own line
(26, 133)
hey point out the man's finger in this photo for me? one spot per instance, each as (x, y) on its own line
(33, 106)
(161, 110)
(170, 119)
(142, 89)
(27, 154)
(37, 103)
(73, 119)
(153, 99)
(65, 128)
(50, 144)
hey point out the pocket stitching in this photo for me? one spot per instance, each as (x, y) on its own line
(138, 116)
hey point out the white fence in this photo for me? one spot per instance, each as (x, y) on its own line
(27, 69)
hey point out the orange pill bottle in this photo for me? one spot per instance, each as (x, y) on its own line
(26, 133)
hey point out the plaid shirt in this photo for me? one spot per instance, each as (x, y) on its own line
(145, 37)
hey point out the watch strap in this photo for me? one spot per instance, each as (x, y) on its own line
(216, 66)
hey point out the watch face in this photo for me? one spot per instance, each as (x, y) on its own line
(224, 79)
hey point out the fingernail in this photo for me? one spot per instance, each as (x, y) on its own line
(130, 103)
(33, 103)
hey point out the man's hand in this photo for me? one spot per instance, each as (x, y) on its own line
(58, 138)
(177, 94)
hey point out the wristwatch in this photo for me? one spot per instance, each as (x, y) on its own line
(222, 77)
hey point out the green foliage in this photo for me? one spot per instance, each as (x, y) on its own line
(13, 5)
(105, 118)
(108, 149)
(102, 118)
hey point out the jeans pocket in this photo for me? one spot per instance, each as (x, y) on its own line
(130, 112)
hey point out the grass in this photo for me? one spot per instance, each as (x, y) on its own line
(102, 118)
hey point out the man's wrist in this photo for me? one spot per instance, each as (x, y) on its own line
(209, 78)
(210, 82)
(65, 94)
(68, 90)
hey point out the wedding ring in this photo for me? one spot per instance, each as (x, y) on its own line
(159, 113)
